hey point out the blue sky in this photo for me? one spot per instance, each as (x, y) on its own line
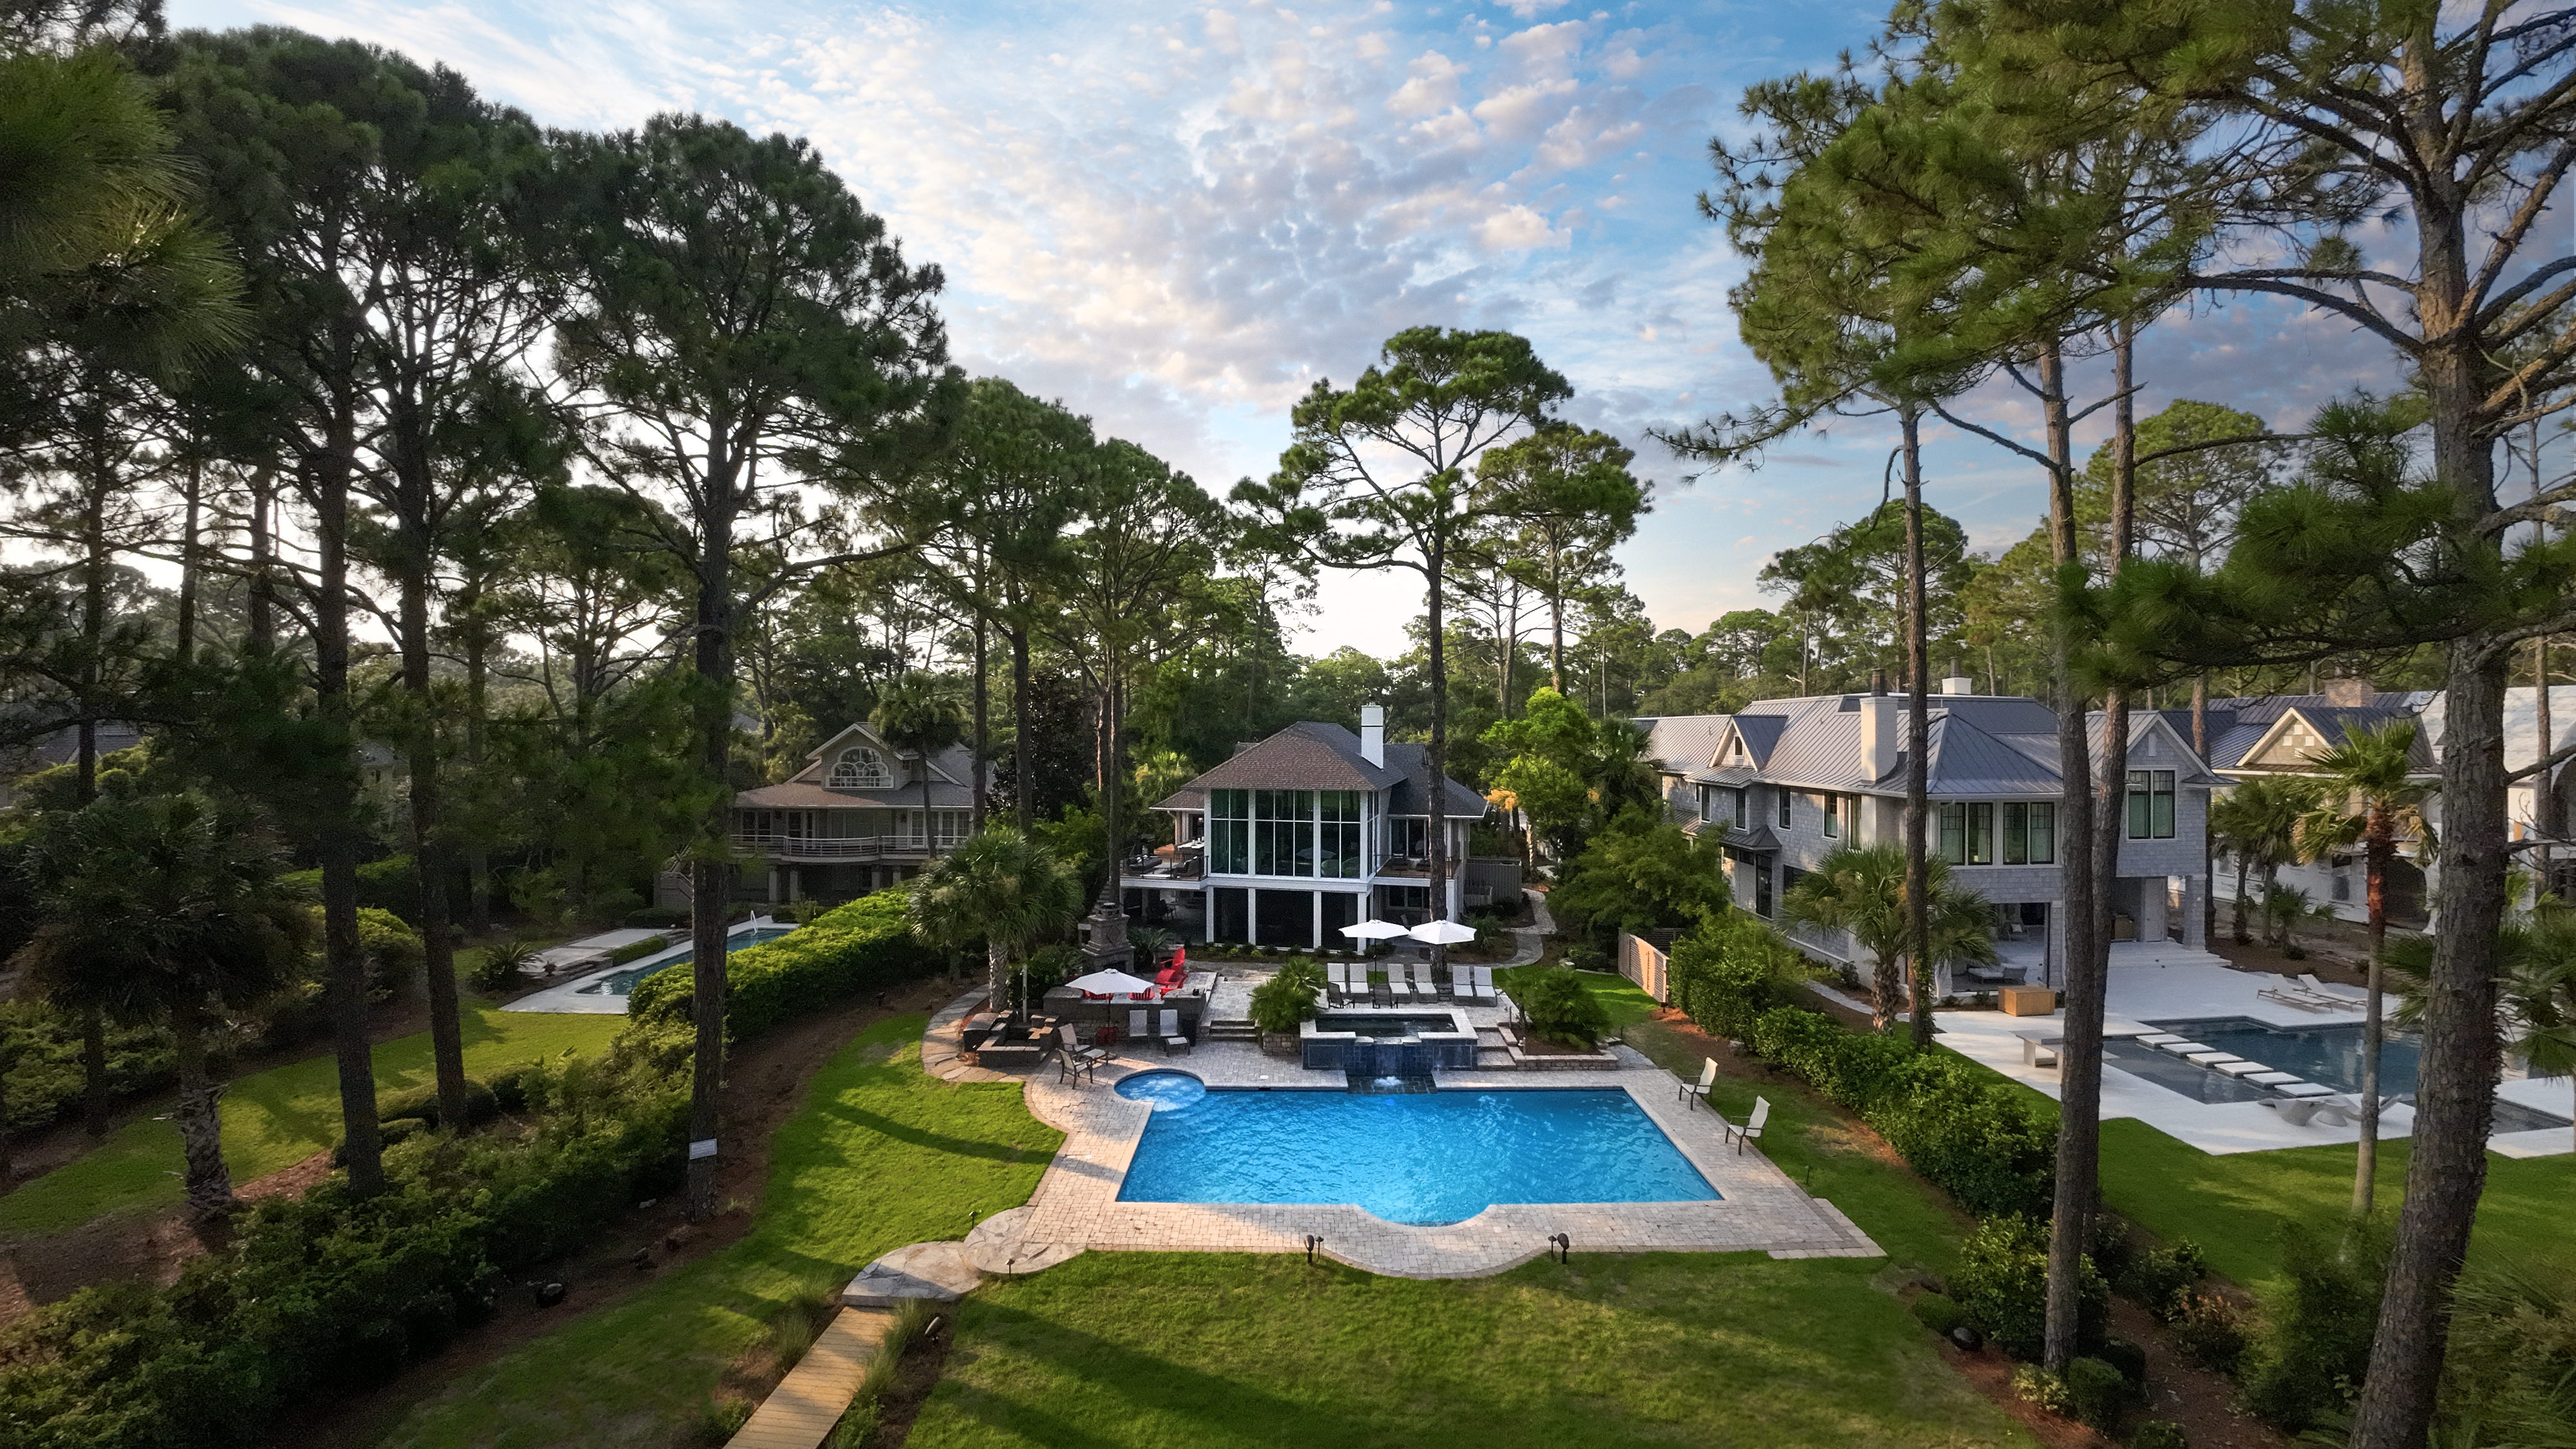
(1177, 217)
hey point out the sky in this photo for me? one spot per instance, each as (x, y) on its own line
(1177, 218)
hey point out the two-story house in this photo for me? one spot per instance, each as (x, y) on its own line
(2278, 735)
(851, 821)
(1308, 831)
(1786, 782)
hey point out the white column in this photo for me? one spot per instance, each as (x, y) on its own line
(773, 885)
(1252, 915)
(1207, 914)
(795, 883)
(1318, 936)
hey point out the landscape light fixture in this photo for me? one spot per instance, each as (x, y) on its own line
(1312, 1243)
(1563, 1245)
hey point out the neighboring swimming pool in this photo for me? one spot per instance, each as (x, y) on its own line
(2327, 1054)
(622, 982)
(1426, 1159)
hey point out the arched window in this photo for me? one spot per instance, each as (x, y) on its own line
(860, 768)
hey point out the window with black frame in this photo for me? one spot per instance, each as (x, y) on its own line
(1783, 792)
(1337, 852)
(1283, 832)
(1968, 832)
(2151, 804)
(2030, 833)
(1230, 831)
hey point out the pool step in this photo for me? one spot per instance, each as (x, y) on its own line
(1232, 1028)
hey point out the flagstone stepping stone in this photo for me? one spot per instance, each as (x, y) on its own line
(2272, 1079)
(2214, 1059)
(2157, 1038)
(1000, 1245)
(2303, 1089)
(2255, 1070)
(2184, 1048)
(940, 1272)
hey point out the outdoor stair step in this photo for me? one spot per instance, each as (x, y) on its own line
(1495, 1059)
(1232, 1028)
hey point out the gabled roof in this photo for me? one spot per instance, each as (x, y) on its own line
(1965, 760)
(1315, 756)
(2305, 730)
(1684, 743)
(952, 764)
(1760, 729)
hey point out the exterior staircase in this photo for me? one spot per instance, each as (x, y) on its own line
(1231, 1028)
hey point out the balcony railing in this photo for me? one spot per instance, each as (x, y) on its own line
(829, 847)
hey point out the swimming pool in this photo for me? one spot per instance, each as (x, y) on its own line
(2327, 1054)
(1390, 1025)
(622, 982)
(1424, 1159)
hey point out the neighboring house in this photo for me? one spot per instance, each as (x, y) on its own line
(851, 821)
(1787, 781)
(1308, 831)
(60, 748)
(2276, 735)
(2283, 734)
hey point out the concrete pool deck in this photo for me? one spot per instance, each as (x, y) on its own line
(1076, 1206)
(573, 997)
(2140, 994)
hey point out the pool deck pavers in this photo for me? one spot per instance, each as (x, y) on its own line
(1076, 1206)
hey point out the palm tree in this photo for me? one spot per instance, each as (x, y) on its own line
(2535, 994)
(164, 909)
(1860, 889)
(919, 716)
(2370, 797)
(2257, 825)
(999, 887)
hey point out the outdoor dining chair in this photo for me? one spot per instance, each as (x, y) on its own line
(1174, 1039)
(1073, 1047)
(1136, 1026)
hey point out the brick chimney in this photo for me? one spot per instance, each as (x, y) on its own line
(2349, 690)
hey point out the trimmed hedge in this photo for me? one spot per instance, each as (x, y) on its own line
(638, 950)
(865, 945)
(1732, 969)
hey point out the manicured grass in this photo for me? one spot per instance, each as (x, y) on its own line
(1226, 1350)
(1627, 1002)
(882, 1155)
(2237, 1207)
(277, 1118)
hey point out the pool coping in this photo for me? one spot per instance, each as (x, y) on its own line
(569, 990)
(1076, 1205)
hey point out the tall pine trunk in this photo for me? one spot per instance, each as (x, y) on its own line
(1436, 788)
(2080, 1054)
(1918, 790)
(1023, 788)
(983, 747)
(712, 872)
(345, 964)
(428, 846)
(209, 1182)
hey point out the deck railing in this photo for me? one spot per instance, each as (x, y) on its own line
(831, 847)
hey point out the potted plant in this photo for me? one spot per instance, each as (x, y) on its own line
(1283, 1003)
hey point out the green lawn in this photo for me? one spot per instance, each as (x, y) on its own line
(1668, 1348)
(2237, 1207)
(275, 1119)
(881, 1156)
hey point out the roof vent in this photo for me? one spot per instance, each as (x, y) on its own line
(1958, 684)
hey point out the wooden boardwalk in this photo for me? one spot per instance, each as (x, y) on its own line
(801, 1411)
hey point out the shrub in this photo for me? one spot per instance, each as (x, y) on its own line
(2035, 1385)
(503, 964)
(390, 885)
(1558, 1005)
(2160, 1434)
(510, 1087)
(2311, 1359)
(1962, 1127)
(2096, 1392)
(43, 1049)
(655, 918)
(2129, 1358)
(1732, 969)
(481, 1104)
(1287, 998)
(638, 950)
(2212, 1332)
(863, 945)
(1938, 1313)
(393, 951)
(2002, 1283)
(2160, 1279)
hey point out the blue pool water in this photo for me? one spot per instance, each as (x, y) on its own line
(2327, 1054)
(1429, 1158)
(622, 983)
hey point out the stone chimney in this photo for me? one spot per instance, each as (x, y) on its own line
(1373, 734)
(1877, 735)
(2349, 690)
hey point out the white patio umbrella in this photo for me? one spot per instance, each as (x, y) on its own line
(1109, 983)
(1443, 933)
(1367, 932)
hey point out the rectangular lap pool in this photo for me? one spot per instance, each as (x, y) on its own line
(2327, 1054)
(622, 982)
(1426, 1159)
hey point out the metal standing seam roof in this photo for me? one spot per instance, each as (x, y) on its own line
(1683, 743)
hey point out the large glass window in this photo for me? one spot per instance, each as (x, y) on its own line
(2030, 833)
(1783, 792)
(1743, 805)
(1230, 832)
(1408, 837)
(1833, 814)
(1968, 832)
(1338, 836)
(1283, 832)
(2151, 804)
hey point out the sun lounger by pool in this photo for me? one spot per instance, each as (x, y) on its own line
(2297, 1000)
(1485, 984)
(2294, 1111)
(2348, 995)
(1174, 1039)
(1398, 982)
(1138, 1023)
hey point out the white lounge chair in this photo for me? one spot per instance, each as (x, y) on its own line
(1485, 984)
(1139, 1027)
(1174, 1039)
(2350, 996)
(1399, 984)
(1752, 1127)
(1337, 982)
(2298, 1000)
(1698, 1091)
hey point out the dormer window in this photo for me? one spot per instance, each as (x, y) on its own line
(860, 768)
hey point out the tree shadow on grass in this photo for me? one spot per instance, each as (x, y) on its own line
(923, 1137)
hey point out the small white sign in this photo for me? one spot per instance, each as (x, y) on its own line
(703, 1147)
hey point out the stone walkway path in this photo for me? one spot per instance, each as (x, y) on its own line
(800, 1412)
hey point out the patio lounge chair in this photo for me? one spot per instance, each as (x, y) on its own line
(1752, 1127)
(1698, 1091)
(1399, 984)
(2299, 999)
(1483, 977)
(1137, 1022)
(2350, 996)
(1174, 1039)
(2293, 1110)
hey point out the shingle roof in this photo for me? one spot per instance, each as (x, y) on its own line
(1315, 756)
(803, 795)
